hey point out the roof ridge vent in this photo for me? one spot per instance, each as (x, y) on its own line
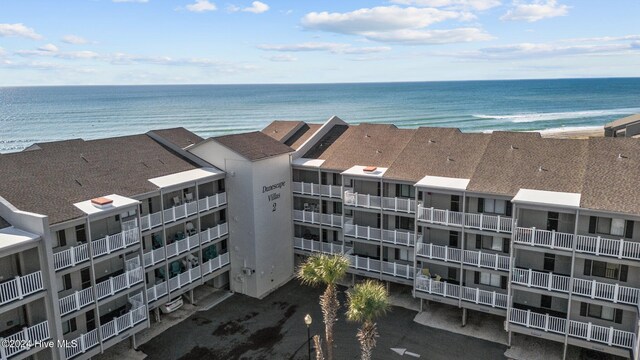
(620, 156)
(378, 151)
(431, 141)
(541, 169)
(449, 158)
(84, 158)
(367, 135)
(513, 147)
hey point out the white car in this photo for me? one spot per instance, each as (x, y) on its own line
(172, 305)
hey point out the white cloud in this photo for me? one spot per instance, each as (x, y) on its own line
(535, 11)
(74, 39)
(283, 58)
(202, 6)
(257, 7)
(381, 18)
(131, 1)
(479, 5)
(19, 30)
(334, 48)
(430, 37)
(48, 48)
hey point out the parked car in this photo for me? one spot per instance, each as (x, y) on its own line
(172, 305)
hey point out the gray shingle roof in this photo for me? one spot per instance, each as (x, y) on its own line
(180, 136)
(254, 145)
(50, 180)
(278, 129)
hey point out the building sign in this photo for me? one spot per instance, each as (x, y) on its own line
(273, 196)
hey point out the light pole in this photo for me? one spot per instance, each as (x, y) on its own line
(307, 321)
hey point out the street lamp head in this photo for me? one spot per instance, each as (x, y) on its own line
(308, 319)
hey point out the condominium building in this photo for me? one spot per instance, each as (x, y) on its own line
(96, 235)
(543, 232)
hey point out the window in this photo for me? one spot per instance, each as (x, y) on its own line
(323, 178)
(405, 191)
(337, 207)
(489, 242)
(62, 237)
(337, 179)
(549, 262)
(221, 185)
(552, 220)
(492, 206)
(85, 278)
(490, 279)
(81, 235)
(609, 226)
(91, 324)
(402, 254)
(223, 216)
(452, 273)
(606, 270)
(455, 202)
(404, 223)
(601, 312)
(69, 326)
(453, 238)
(66, 281)
(545, 301)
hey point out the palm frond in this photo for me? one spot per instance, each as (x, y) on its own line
(367, 301)
(323, 269)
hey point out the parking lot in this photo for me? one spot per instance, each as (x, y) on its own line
(273, 328)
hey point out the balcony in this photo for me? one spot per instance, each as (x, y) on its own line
(123, 322)
(182, 211)
(396, 237)
(468, 294)
(108, 244)
(540, 280)
(331, 191)
(28, 337)
(544, 238)
(401, 205)
(157, 291)
(468, 257)
(603, 291)
(497, 223)
(577, 329)
(85, 342)
(320, 247)
(75, 301)
(20, 286)
(158, 255)
(116, 284)
(313, 217)
(196, 272)
(380, 267)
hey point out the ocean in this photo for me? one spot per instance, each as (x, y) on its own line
(39, 114)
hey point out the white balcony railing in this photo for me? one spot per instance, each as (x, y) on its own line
(468, 257)
(577, 329)
(544, 238)
(215, 264)
(84, 342)
(157, 291)
(597, 245)
(381, 267)
(75, 301)
(25, 339)
(396, 237)
(182, 211)
(497, 223)
(119, 283)
(396, 204)
(469, 294)
(80, 253)
(332, 191)
(540, 280)
(320, 247)
(196, 272)
(123, 322)
(612, 292)
(153, 257)
(313, 217)
(20, 286)
(214, 233)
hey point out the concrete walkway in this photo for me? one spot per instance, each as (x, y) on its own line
(205, 298)
(531, 348)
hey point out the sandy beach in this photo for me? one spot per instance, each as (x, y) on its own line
(574, 133)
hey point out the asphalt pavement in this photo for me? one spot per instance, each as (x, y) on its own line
(273, 328)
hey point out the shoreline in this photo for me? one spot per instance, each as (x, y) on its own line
(573, 133)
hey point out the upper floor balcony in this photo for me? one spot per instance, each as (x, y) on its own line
(396, 204)
(394, 237)
(78, 254)
(25, 339)
(478, 221)
(311, 189)
(587, 244)
(381, 267)
(320, 247)
(586, 331)
(468, 257)
(20, 286)
(181, 210)
(313, 217)
(469, 294)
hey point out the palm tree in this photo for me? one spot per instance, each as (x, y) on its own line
(326, 269)
(367, 301)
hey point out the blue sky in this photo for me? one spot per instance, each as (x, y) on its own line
(303, 41)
